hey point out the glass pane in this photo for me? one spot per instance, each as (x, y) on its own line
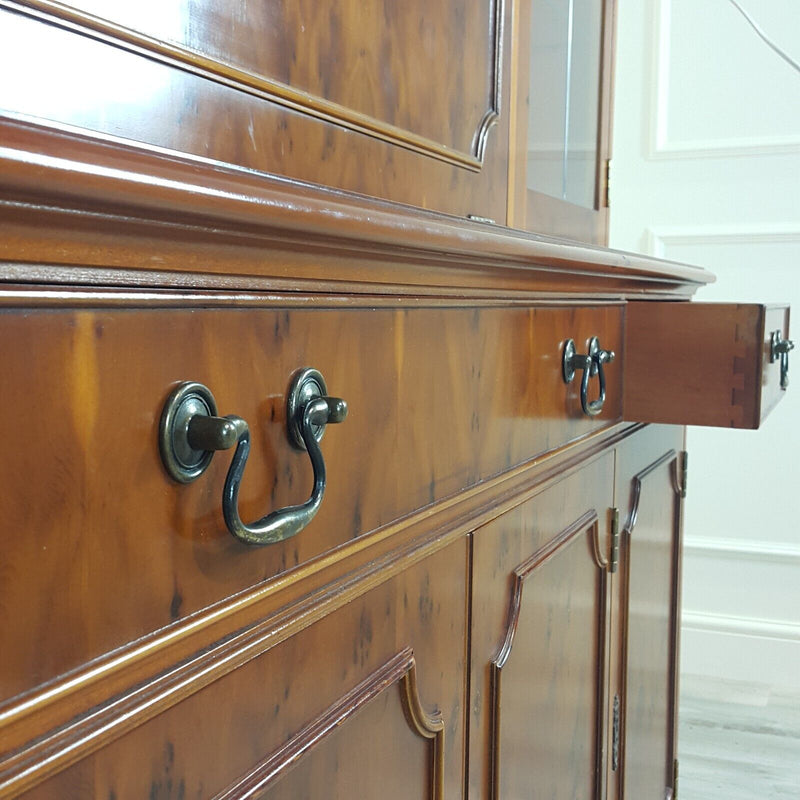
(564, 106)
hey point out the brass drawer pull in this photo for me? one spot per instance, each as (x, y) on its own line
(779, 348)
(191, 431)
(591, 364)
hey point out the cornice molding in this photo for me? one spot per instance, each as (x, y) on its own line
(57, 179)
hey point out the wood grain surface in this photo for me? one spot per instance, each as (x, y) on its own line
(648, 602)
(702, 364)
(317, 107)
(365, 66)
(78, 210)
(440, 398)
(539, 653)
(207, 743)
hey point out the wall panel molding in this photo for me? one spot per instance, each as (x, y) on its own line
(659, 146)
(658, 238)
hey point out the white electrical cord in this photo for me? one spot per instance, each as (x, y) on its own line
(757, 28)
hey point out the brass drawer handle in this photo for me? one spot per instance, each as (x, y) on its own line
(591, 364)
(779, 349)
(191, 431)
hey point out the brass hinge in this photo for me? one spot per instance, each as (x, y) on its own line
(615, 728)
(675, 779)
(614, 560)
(683, 472)
(607, 184)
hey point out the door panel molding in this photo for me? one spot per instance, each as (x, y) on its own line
(671, 461)
(588, 523)
(179, 56)
(399, 671)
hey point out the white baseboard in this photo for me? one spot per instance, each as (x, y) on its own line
(752, 550)
(739, 649)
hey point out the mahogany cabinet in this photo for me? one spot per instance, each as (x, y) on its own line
(470, 586)
(574, 631)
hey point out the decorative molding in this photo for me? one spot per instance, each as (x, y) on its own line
(743, 549)
(659, 147)
(492, 114)
(677, 465)
(659, 237)
(100, 188)
(707, 622)
(125, 688)
(227, 74)
(638, 480)
(566, 537)
(400, 669)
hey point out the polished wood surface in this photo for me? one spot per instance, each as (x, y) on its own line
(648, 494)
(146, 678)
(98, 415)
(382, 681)
(703, 364)
(373, 102)
(540, 621)
(227, 193)
(361, 67)
(78, 211)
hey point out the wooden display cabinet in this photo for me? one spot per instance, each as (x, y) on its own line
(482, 600)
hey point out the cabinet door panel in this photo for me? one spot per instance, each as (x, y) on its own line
(368, 701)
(375, 98)
(540, 634)
(556, 630)
(648, 476)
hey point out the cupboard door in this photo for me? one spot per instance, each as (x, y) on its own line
(365, 702)
(649, 497)
(540, 643)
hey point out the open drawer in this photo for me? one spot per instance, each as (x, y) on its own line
(719, 364)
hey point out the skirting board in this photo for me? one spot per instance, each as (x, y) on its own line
(743, 650)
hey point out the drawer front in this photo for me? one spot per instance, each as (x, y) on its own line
(702, 363)
(372, 696)
(439, 399)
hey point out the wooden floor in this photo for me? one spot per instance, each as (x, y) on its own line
(738, 742)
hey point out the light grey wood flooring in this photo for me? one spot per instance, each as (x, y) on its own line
(737, 742)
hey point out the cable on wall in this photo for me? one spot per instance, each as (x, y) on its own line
(758, 29)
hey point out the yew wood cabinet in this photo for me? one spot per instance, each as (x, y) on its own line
(230, 228)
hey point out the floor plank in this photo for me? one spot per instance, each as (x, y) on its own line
(738, 742)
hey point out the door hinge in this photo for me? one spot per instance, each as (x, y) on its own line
(614, 559)
(485, 220)
(675, 779)
(607, 184)
(683, 472)
(615, 726)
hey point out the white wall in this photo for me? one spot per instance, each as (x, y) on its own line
(706, 170)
